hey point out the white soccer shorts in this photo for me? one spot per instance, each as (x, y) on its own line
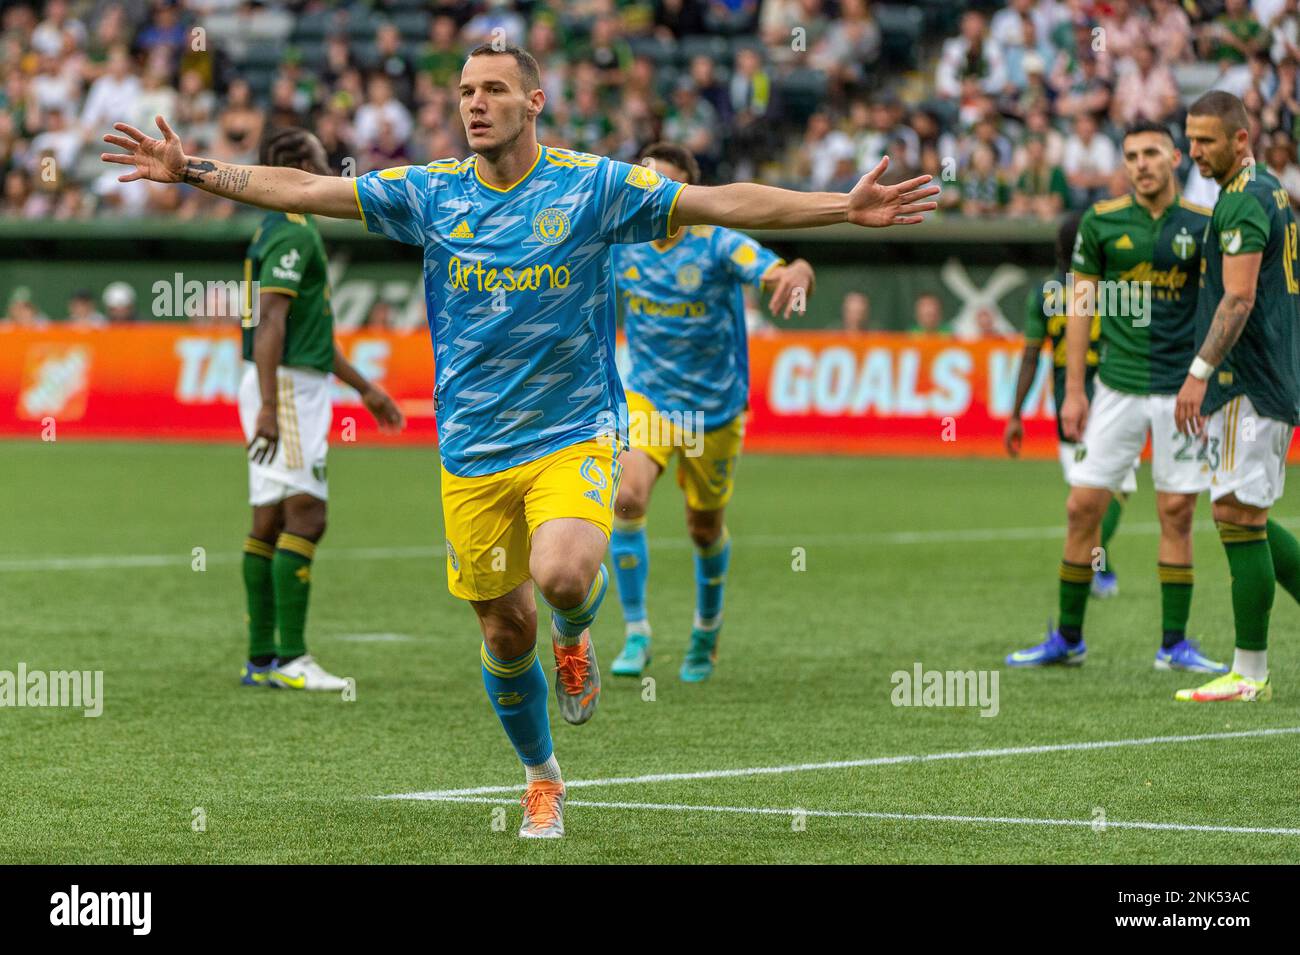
(1118, 424)
(304, 414)
(1067, 451)
(1248, 453)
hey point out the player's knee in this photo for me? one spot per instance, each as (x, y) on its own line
(704, 529)
(631, 503)
(563, 587)
(1084, 510)
(1176, 515)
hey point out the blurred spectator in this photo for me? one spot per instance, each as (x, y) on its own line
(927, 315)
(497, 20)
(1041, 189)
(119, 302)
(1234, 36)
(114, 95)
(1089, 159)
(694, 123)
(1146, 91)
(855, 313)
(1170, 30)
(442, 58)
(82, 312)
(982, 323)
(380, 107)
(826, 154)
(239, 125)
(1284, 32)
(850, 47)
(982, 190)
(22, 311)
(392, 62)
(1279, 159)
(971, 54)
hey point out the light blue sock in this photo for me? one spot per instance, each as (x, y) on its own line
(571, 622)
(710, 578)
(631, 554)
(517, 690)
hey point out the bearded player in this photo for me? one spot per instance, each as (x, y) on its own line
(1046, 318)
(1242, 391)
(284, 407)
(684, 317)
(1134, 265)
(516, 244)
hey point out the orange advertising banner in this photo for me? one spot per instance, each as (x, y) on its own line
(810, 392)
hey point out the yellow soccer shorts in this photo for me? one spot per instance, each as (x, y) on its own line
(706, 465)
(490, 519)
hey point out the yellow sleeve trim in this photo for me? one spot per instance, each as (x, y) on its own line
(681, 187)
(1194, 207)
(278, 288)
(356, 192)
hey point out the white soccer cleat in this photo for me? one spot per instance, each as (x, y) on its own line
(304, 673)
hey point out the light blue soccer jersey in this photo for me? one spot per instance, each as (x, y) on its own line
(519, 294)
(684, 315)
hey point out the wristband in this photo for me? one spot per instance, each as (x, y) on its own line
(1201, 369)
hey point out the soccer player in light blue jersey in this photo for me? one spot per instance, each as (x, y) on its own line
(684, 316)
(530, 409)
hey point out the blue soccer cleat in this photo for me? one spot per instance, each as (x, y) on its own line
(1051, 652)
(635, 656)
(1104, 584)
(700, 656)
(255, 675)
(1186, 655)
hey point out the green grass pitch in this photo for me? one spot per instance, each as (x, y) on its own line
(950, 563)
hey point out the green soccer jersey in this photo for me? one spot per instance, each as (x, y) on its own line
(1253, 214)
(1146, 346)
(288, 256)
(1046, 320)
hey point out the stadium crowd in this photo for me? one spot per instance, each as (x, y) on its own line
(1017, 107)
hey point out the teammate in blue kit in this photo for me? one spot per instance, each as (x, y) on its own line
(684, 317)
(531, 414)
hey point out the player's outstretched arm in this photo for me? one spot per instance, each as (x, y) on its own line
(377, 401)
(747, 205)
(270, 187)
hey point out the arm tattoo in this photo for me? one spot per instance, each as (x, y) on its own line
(1229, 321)
(229, 180)
(195, 168)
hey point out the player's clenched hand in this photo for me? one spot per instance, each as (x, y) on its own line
(158, 160)
(1074, 416)
(1187, 406)
(261, 450)
(387, 414)
(786, 279)
(1012, 436)
(872, 204)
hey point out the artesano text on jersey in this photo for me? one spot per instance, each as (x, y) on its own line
(519, 294)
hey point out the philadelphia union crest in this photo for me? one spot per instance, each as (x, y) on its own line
(551, 226)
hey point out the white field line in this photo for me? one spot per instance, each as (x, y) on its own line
(897, 816)
(451, 794)
(975, 535)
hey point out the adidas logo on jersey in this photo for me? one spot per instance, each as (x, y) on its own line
(1124, 242)
(595, 496)
(462, 231)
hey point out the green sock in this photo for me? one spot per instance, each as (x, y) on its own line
(1175, 601)
(1286, 557)
(291, 570)
(1109, 524)
(1076, 582)
(1253, 582)
(258, 555)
